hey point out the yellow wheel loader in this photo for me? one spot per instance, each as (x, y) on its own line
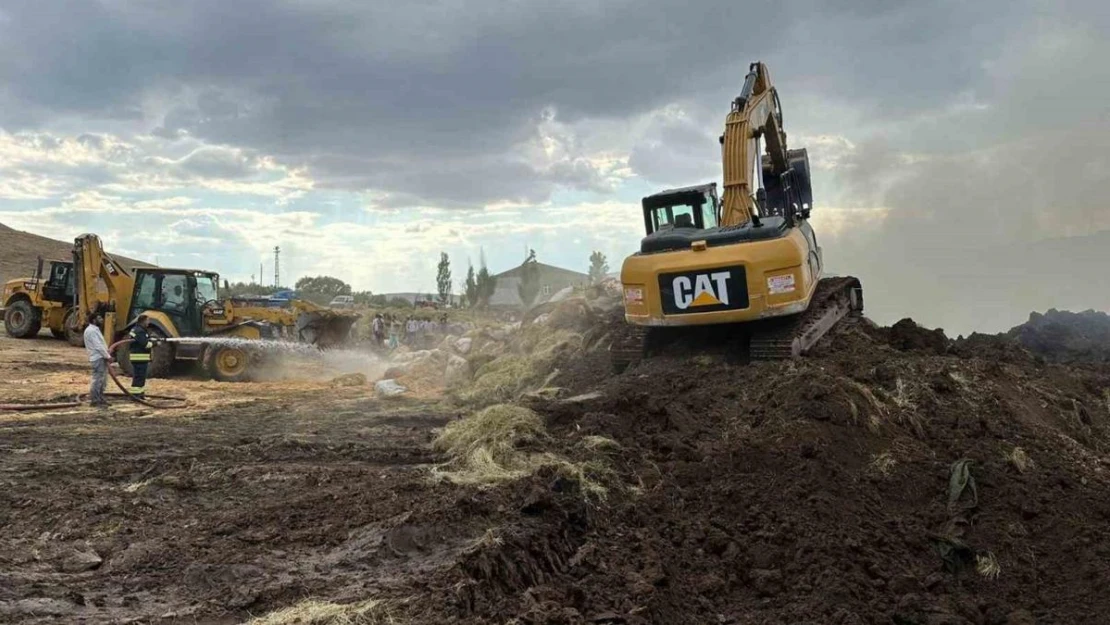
(751, 260)
(184, 305)
(47, 300)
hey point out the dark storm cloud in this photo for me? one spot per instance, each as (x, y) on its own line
(411, 87)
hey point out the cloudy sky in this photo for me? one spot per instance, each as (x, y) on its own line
(949, 138)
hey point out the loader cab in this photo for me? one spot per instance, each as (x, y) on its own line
(182, 295)
(689, 207)
(57, 281)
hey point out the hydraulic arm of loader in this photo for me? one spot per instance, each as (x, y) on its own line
(91, 262)
(755, 114)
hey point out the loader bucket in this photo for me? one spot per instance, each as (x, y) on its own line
(325, 328)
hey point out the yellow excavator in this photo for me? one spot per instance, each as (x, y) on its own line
(184, 304)
(751, 260)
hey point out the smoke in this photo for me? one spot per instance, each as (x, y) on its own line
(975, 241)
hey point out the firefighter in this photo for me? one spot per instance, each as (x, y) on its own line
(141, 344)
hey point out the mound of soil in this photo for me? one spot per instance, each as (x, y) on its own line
(1063, 336)
(817, 491)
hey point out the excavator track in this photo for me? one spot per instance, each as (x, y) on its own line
(833, 300)
(628, 347)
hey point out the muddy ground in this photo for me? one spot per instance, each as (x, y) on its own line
(819, 491)
(253, 497)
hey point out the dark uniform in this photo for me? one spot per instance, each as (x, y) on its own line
(140, 359)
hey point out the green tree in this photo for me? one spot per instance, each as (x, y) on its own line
(529, 286)
(599, 266)
(487, 284)
(321, 289)
(443, 278)
(471, 291)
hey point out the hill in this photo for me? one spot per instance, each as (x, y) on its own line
(19, 252)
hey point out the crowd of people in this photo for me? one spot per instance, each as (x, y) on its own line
(389, 330)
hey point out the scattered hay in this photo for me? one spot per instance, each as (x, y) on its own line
(501, 380)
(874, 418)
(883, 463)
(491, 446)
(987, 565)
(594, 442)
(485, 448)
(313, 612)
(901, 396)
(135, 487)
(1019, 459)
(590, 476)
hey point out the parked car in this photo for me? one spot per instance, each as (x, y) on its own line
(342, 301)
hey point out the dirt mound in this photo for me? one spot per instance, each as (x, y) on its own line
(883, 480)
(19, 252)
(1062, 336)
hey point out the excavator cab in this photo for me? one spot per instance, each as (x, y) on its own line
(688, 207)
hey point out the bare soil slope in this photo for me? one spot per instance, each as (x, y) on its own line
(19, 252)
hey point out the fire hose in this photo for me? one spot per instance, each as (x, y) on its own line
(179, 401)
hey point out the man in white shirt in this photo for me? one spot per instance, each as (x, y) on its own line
(99, 358)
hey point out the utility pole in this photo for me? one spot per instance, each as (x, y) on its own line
(277, 273)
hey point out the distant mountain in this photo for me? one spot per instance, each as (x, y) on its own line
(19, 252)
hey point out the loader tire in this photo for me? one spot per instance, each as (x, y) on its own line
(22, 320)
(227, 363)
(71, 325)
(161, 358)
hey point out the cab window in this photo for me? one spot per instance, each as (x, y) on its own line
(669, 216)
(145, 292)
(709, 212)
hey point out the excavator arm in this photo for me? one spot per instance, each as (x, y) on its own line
(90, 263)
(755, 115)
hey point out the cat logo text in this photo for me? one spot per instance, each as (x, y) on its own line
(706, 291)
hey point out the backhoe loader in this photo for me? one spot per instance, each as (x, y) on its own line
(748, 267)
(42, 300)
(184, 304)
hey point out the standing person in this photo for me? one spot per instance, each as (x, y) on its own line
(410, 330)
(394, 331)
(99, 358)
(141, 345)
(379, 329)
